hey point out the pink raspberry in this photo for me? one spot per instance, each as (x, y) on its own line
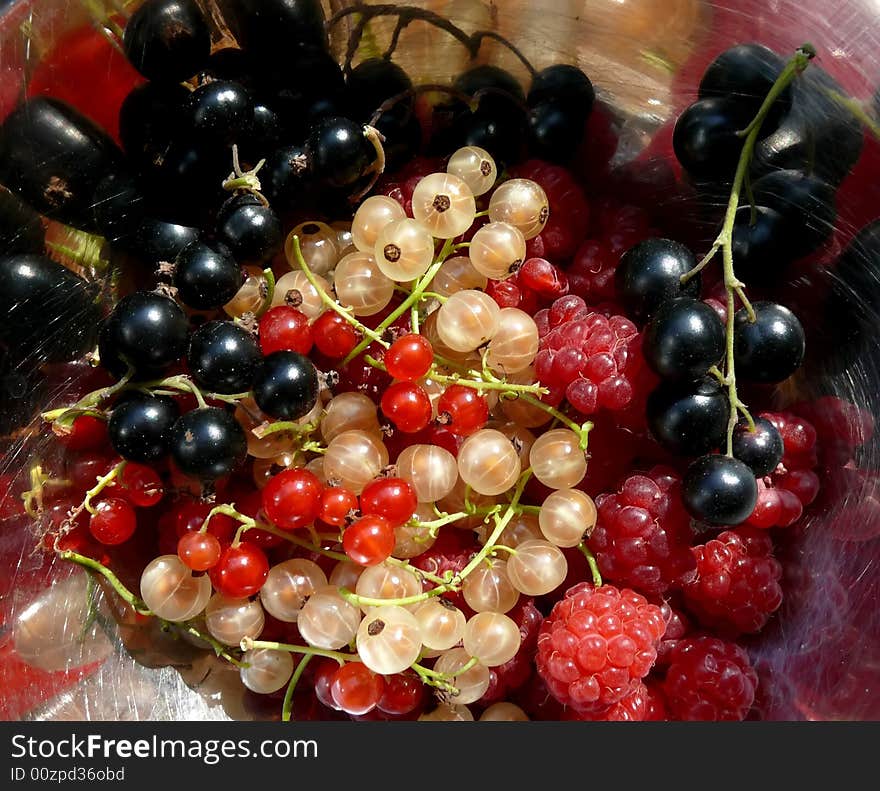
(633, 708)
(597, 644)
(736, 589)
(591, 274)
(709, 679)
(840, 425)
(643, 536)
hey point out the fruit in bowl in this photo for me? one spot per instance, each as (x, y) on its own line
(391, 410)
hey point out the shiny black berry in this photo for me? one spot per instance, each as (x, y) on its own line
(555, 132)
(771, 348)
(689, 418)
(761, 253)
(705, 138)
(564, 85)
(250, 230)
(149, 118)
(719, 491)
(496, 90)
(20, 228)
(374, 81)
(49, 314)
(206, 277)
(140, 426)
(650, 274)
(285, 177)
(208, 443)
(762, 449)
(286, 385)
(338, 152)
(684, 339)
(271, 28)
(218, 112)
(263, 135)
(145, 330)
(223, 357)
(168, 40)
(155, 241)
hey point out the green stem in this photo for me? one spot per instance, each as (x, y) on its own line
(124, 593)
(591, 561)
(582, 430)
(483, 384)
(269, 275)
(287, 705)
(103, 482)
(403, 601)
(247, 644)
(88, 403)
(857, 109)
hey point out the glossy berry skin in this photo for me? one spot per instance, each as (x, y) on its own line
(555, 132)
(240, 571)
(719, 490)
(688, 419)
(285, 177)
(86, 433)
(218, 112)
(206, 278)
(771, 348)
(141, 485)
(462, 409)
(761, 250)
(762, 449)
(402, 694)
(292, 498)
(564, 85)
(283, 328)
(275, 26)
(356, 689)
(145, 330)
(208, 443)
(113, 522)
(338, 152)
(407, 406)
(372, 82)
(684, 339)
(223, 357)
(168, 40)
(140, 426)
(21, 230)
(333, 335)
(199, 551)
(369, 540)
(650, 274)
(155, 241)
(409, 357)
(705, 139)
(250, 230)
(149, 118)
(286, 385)
(337, 505)
(391, 498)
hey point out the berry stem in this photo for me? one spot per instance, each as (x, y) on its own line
(32, 499)
(62, 419)
(591, 562)
(269, 276)
(404, 601)
(582, 430)
(433, 678)
(249, 644)
(102, 483)
(287, 705)
(857, 109)
(91, 564)
(724, 241)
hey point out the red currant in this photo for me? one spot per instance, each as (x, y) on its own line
(356, 689)
(336, 504)
(402, 694)
(113, 522)
(190, 515)
(285, 329)
(391, 498)
(407, 406)
(291, 498)
(86, 433)
(542, 277)
(142, 485)
(83, 469)
(369, 540)
(323, 679)
(463, 408)
(409, 357)
(334, 336)
(240, 571)
(505, 292)
(199, 551)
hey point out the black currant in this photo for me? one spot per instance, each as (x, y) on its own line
(771, 348)
(263, 135)
(273, 27)
(762, 449)
(206, 277)
(53, 158)
(554, 132)
(689, 418)
(156, 241)
(650, 274)
(563, 85)
(338, 152)
(140, 426)
(719, 490)
(20, 228)
(49, 314)
(286, 385)
(760, 253)
(705, 138)
(501, 133)
(684, 339)
(746, 73)
(168, 40)
(232, 63)
(208, 443)
(218, 112)
(250, 230)
(806, 205)
(285, 177)
(149, 118)
(119, 206)
(499, 92)
(147, 331)
(374, 81)
(223, 357)
(403, 138)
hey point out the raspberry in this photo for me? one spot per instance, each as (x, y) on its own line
(710, 680)
(643, 537)
(737, 584)
(591, 274)
(569, 210)
(657, 707)
(591, 357)
(841, 427)
(597, 644)
(633, 708)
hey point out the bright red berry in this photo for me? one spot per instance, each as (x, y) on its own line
(409, 357)
(462, 410)
(368, 540)
(113, 522)
(392, 498)
(199, 551)
(356, 689)
(291, 499)
(86, 433)
(541, 276)
(336, 505)
(333, 335)
(407, 406)
(240, 571)
(402, 695)
(285, 329)
(141, 484)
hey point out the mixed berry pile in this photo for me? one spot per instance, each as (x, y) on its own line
(385, 402)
